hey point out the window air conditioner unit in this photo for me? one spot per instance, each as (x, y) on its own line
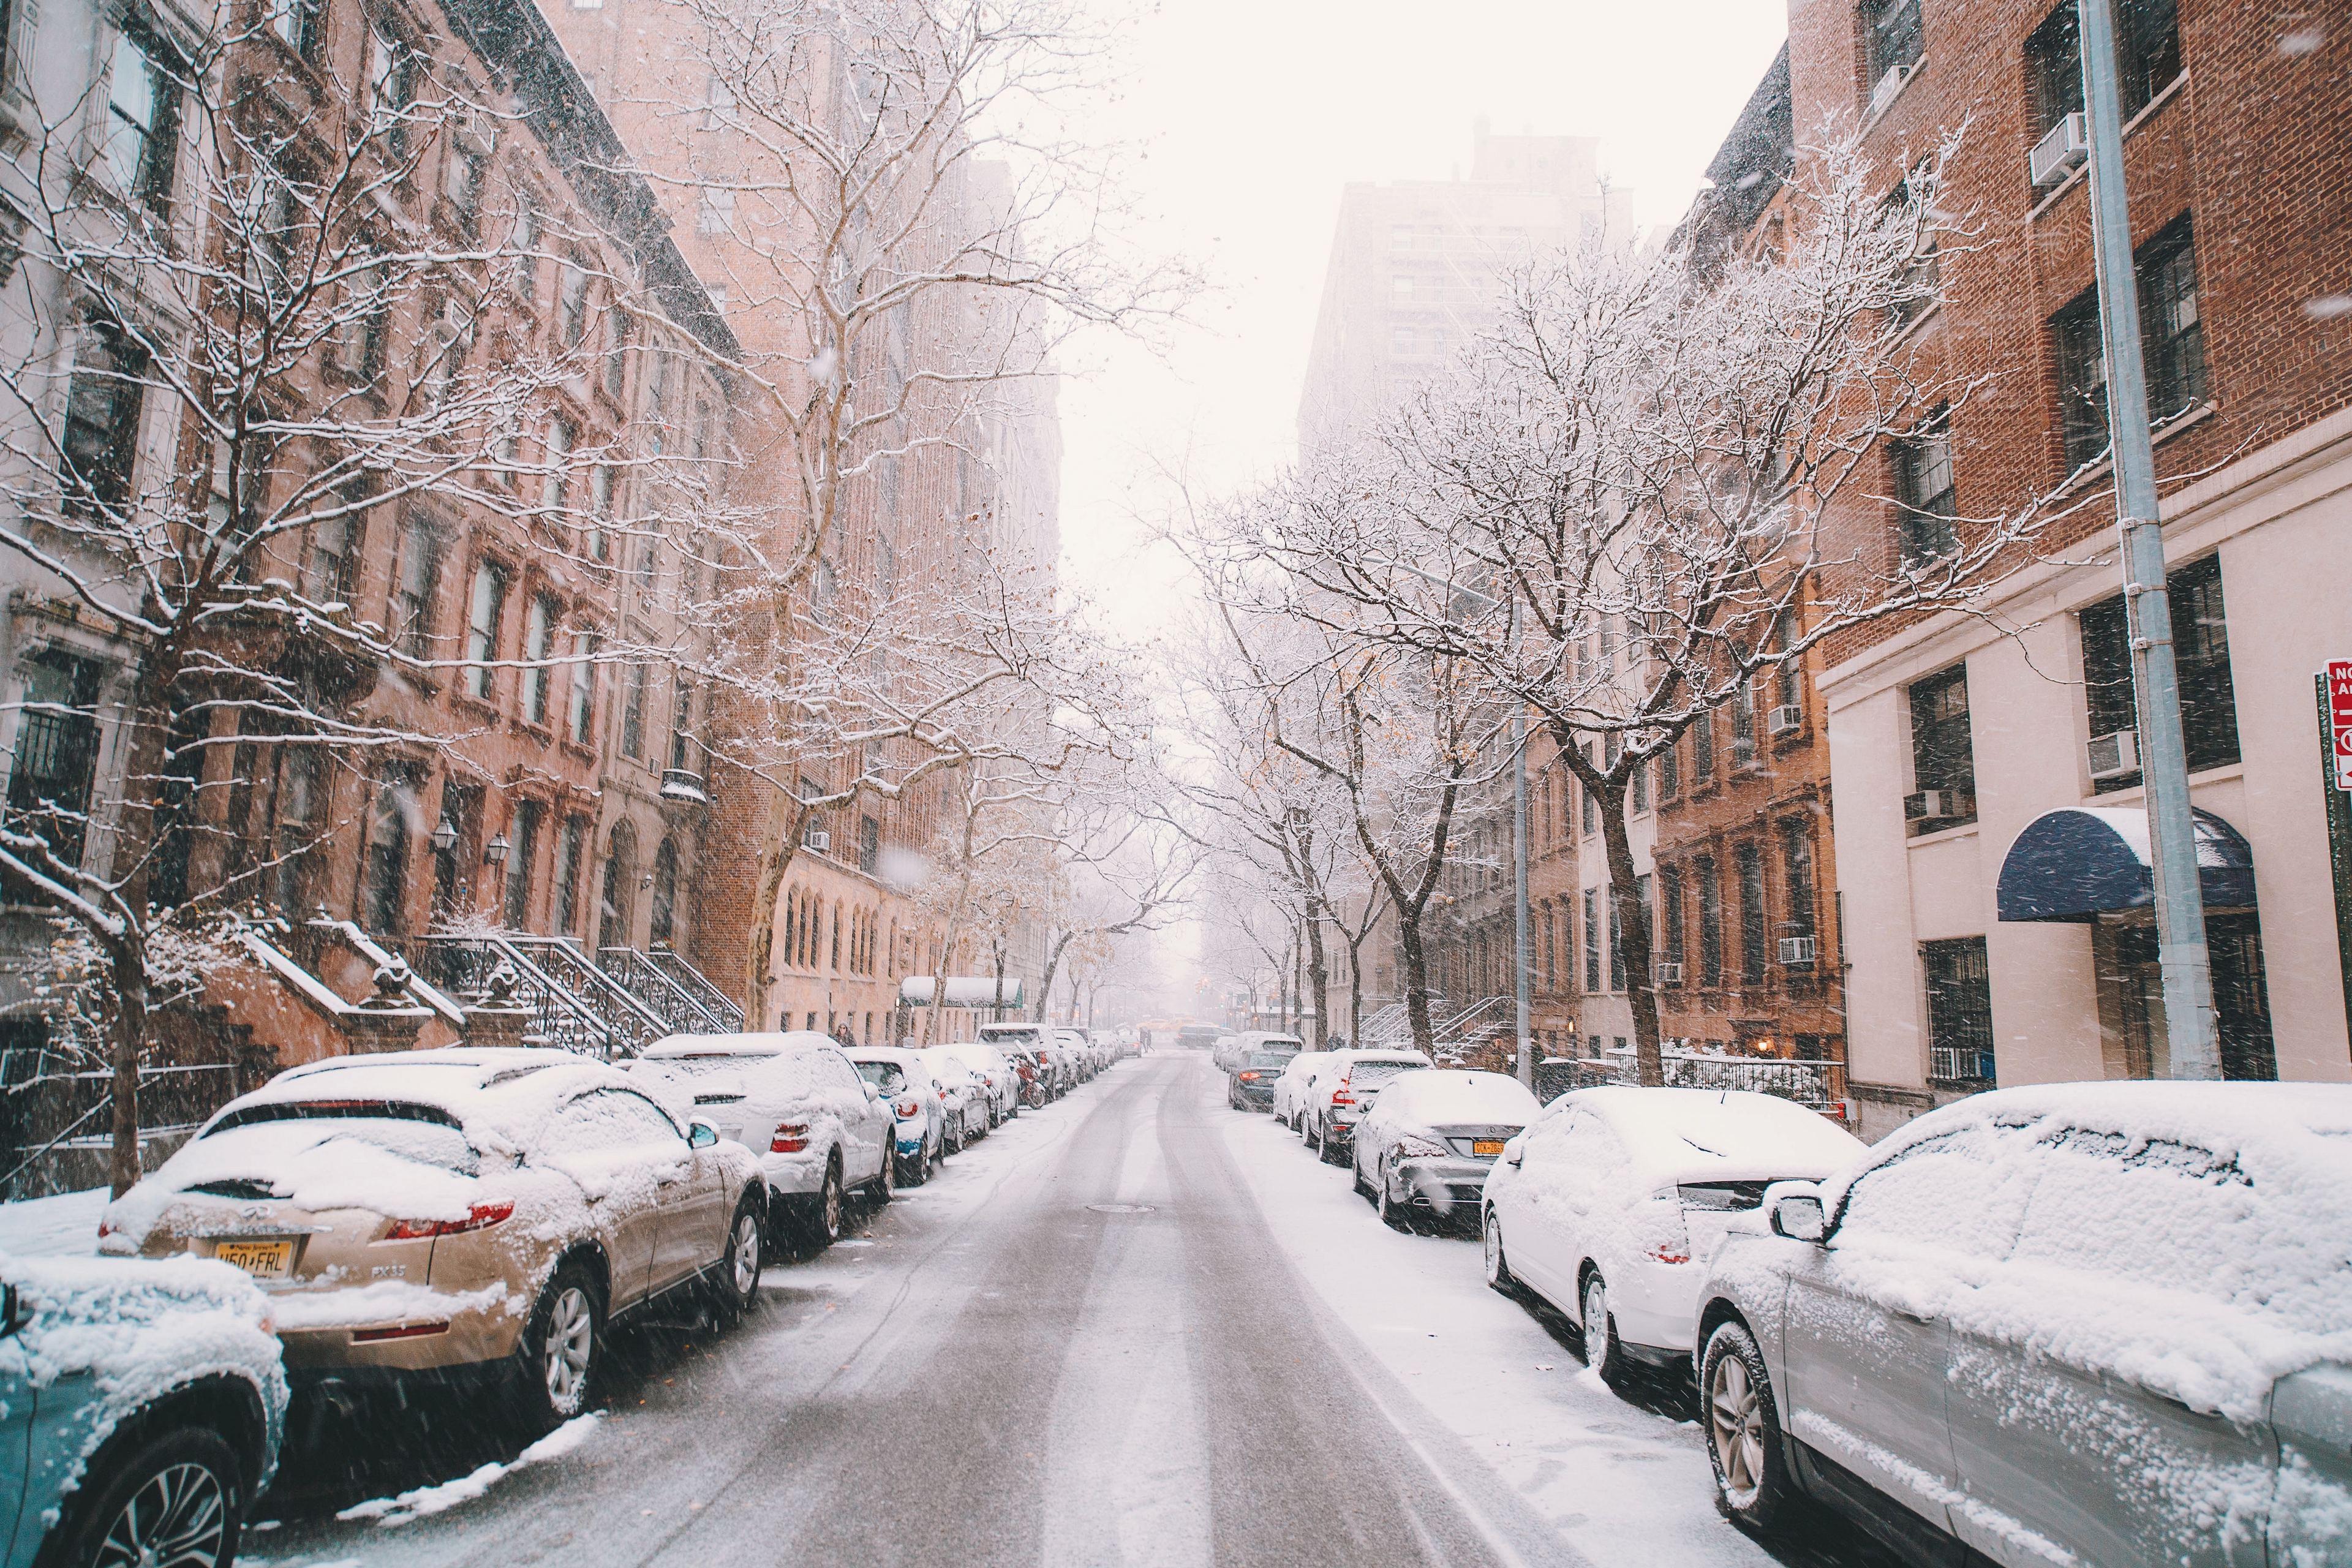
(2060, 153)
(1797, 951)
(1883, 91)
(473, 135)
(817, 840)
(1666, 973)
(1937, 805)
(1788, 718)
(2112, 756)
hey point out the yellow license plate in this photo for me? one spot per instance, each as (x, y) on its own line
(1486, 1145)
(262, 1259)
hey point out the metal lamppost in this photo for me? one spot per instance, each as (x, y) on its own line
(2187, 967)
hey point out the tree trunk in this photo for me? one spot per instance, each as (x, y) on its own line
(1319, 978)
(1356, 991)
(759, 959)
(129, 1032)
(1053, 967)
(1633, 923)
(1416, 982)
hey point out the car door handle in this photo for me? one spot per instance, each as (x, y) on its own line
(1910, 1316)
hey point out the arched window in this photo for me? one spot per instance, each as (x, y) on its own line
(792, 927)
(665, 908)
(612, 922)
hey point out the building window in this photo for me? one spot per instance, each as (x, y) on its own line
(1640, 790)
(600, 512)
(869, 844)
(103, 403)
(664, 917)
(1592, 939)
(1670, 770)
(327, 571)
(1797, 874)
(50, 780)
(558, 459)
(489, 603)
(391, 86)
(1668, 937)
(412, 588)
(1702, 732)
(1959, 1011)
(1710, 920)
(1592, 800)
(1924, 489)
(142, 117)
(620, 881)
(1743, 726)
(299, 23)
(1748, 866)
(1616, 944)
(2147, 50)
(538, 635)
(716, 212)
(570, 849)
(1943, 759)
(2200, 646)
(681, 727)
(582, 719)
(1893, 39)
(387, 853)
(2172, 342)
(297, 803)
(522, 855)
(632, 713)
(616, 352)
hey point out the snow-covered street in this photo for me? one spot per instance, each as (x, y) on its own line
(1136, 1327)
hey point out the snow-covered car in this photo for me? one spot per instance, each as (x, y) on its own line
(1230, 1053)
(462, 1213)
(2084, 1322)
(1292, 1084)
(819, 1129)
(1025, 1046)
(1250, 1085)
(141, 1409)
(963, 1091)
(920, 1114)
(1077, 1052)
(1610, 1203)
(1345, 1087)
(995, 1070)
(1423, 1150)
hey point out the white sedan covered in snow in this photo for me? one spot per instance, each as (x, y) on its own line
(819, 1129)
(1609, 1205)
(1423, 1150)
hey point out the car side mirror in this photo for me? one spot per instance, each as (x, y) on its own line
(11, 1310)
(700, 1134)
(1798, 1217)
(1512, 1153)
(871, 1094)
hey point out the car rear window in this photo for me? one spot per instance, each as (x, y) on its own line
(261, 1132)
(1370, 1075)
(1271, 1059)
(884, 1076)
(705, 1066)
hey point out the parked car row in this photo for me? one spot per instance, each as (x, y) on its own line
(2098, 1324)
(480, 1217)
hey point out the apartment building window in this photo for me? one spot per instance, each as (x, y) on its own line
(2172, 339)
(1917, 286)
(662, 922)
(1893, 38)
(681, 725)
(1710, 920)
(600, 512)
(2200, 644)
(392, 86)
(1670, 772)
(1401, 289)
(483, 614)
(538, 641)
(571, 851)
(571, 304)
(715, 214)
(1959, 1011)
(1641, 788)
(1616, 944)
(1591, 809)
(1925, 491)
(300, 23)
(297, 802)
(613, 912)
(387, 852)
(1748, 866)
(54, 768)
(1592, 939)
(103, 404)
(1743, 726)
(1550, 948)
(581, 721)
(632, 713)
(412, 585)
(616, 352)
(1943, 756)
(1668, 937)
(558, 459)
(521, 856)
(2147, 50)
(1702, 733)
(143, 116)
(1797, 874)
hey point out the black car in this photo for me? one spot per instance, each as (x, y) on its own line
(1250, 1085)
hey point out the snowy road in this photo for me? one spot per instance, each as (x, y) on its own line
(1133, 1328)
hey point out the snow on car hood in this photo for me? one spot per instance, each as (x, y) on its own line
(142, 1329)
(2195, 1239)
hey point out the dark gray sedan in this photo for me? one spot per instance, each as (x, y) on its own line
(1423, 1150)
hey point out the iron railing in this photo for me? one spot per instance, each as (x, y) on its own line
(1820, 1085)
(462, 965)
(634, 1022)
(673, 988)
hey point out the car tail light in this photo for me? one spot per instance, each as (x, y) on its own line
(1411, 1148)
(790, 1138)
(1670, 1251)
(1344, 1094)
(479, 1217)
(909, 1106)
(1246, 1076)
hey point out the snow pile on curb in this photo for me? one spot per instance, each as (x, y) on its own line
(425, 1502)
(65, 1225)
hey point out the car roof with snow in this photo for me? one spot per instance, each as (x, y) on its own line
(898, 1056)
(775, 1043)
(1717, 1135)
(1353, 1055)
(1452, 1095)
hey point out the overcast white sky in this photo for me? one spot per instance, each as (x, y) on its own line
(1254, 113)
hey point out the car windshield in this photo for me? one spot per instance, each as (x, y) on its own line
(1371, 1075)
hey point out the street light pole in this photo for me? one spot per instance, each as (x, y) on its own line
(2185, 963)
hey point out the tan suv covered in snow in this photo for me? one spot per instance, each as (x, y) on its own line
(454, 1212)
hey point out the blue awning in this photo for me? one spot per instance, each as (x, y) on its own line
(2090, 860)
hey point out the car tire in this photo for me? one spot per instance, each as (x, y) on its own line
(914, 1173)
(884, 1185)
(172, 1496)
(1752, 1485)
(735, 1288)
(563, 1349)
(820, 1221)
(1363, 1187)
(1308, 1132)
(1603, 1352)
(1331, 1152)
(1393, 1214)
(1499, 1277)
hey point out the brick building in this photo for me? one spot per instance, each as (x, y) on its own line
(1957, 741)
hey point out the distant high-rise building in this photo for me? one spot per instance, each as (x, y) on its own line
(1418, 265)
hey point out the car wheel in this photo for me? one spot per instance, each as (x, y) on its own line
(1393, 1214)
(563, 1349)
(1333, 1151)
(1499, 1267)
(1743, 1430)
(1309, 1134)
(821, 1221)
(884, 1185)
(1363, 1187)
(914, 1173)
(736, 1289)
(1602, 1352)
(175, 1499)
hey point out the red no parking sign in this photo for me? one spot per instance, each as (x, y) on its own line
(2339, 717)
